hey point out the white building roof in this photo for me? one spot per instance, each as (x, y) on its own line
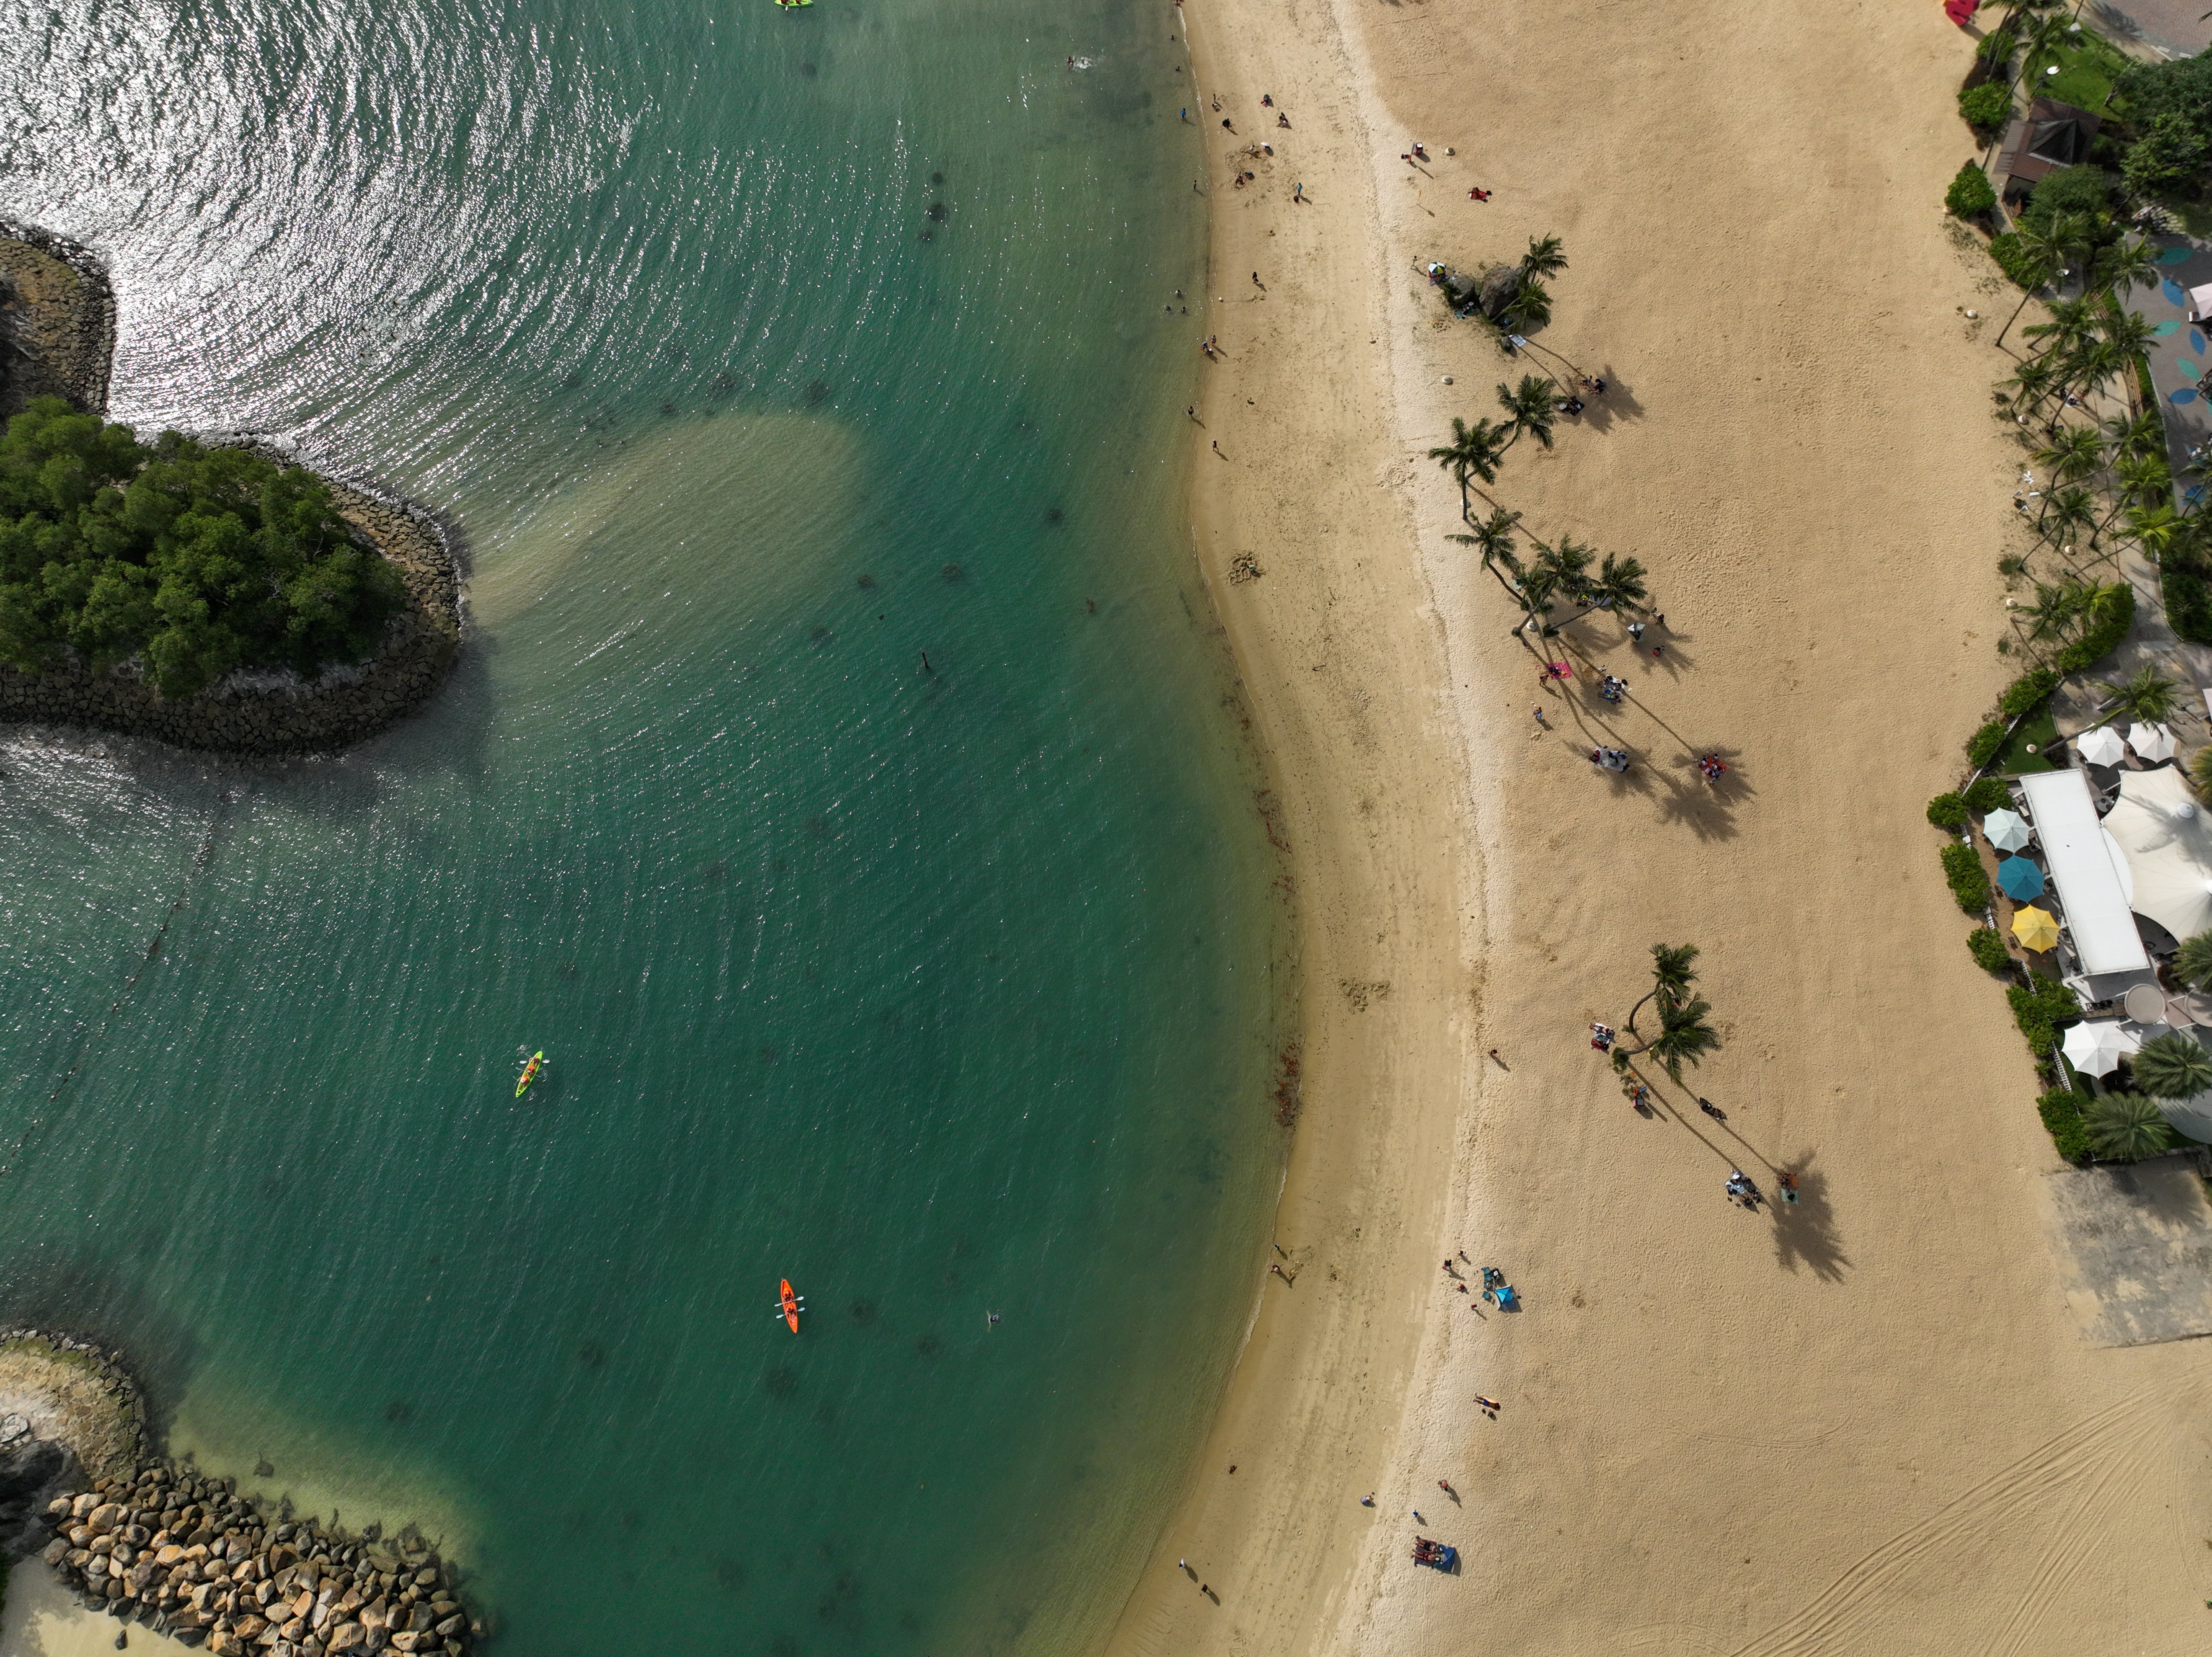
(2087, 869)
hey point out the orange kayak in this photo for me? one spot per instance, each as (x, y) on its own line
(790, 1307)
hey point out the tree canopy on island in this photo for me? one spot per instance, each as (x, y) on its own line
(196, 561)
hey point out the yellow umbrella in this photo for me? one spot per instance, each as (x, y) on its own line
(2036, 929)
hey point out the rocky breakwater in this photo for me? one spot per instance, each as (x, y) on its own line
(281, 713)
(186, 1553)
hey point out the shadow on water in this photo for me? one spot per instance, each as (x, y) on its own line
(98, 1300)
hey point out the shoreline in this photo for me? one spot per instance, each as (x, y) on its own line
(1340, 653)
(1719, 1433)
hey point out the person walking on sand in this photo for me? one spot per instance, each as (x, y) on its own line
(1368, 1500)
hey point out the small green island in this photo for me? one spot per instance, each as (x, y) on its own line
(210, 594)
(196, 560)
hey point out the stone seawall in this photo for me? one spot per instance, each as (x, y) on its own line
(57, 321)
(275, 714)
(185, 1553)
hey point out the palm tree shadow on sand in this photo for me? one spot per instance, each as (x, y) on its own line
(1618, 404)
(1805, 1230)
(1706, 809)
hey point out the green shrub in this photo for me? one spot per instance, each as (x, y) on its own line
(2168, 157)
(195, 560)
(2024, 693)
(2005, 249)
(1988, 794)
(2037, 1007)
(1970, 194)
(1982, 747)
(1984, 108)
(2188, 602)
(1962, 867)
(2068, 190)
(2110, 615)
(1988, 949)
(2060, 1110)
(1947, 811)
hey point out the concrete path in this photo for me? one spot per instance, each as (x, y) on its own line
(2134, 1246)
(2179, 356)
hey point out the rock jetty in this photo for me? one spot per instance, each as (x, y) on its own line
(57, 320)
(185, 1553)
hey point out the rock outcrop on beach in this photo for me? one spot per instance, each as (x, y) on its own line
(185, 1553)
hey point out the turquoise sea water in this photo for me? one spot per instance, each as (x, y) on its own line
(759, 355)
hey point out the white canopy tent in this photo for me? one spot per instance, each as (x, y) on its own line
(2163, 832)
(2088, 870)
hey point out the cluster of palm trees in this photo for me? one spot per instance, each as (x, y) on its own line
(1553, 573)
(2103, 476)
(2125, 1126)
(1685, 1034)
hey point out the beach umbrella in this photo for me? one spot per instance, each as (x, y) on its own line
(2020, 879)
(2102, 746)
(2152, 742)
(2006, 830)
(2036, 929)
(2097, 1049)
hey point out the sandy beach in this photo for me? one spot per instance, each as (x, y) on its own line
(1870, 1424)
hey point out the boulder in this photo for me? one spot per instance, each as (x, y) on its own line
(347, 1637)
(1499, 287)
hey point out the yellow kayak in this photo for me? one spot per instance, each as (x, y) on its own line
(536, 1064)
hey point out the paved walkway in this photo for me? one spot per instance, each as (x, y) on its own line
(2133, 1244)
(2179, 356)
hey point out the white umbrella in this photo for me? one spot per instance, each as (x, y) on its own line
(2152, 742)
(2006, 830)
(2102, 746)
(2097, 1049)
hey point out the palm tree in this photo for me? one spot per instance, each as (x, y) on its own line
(2069, 322)
(2137, 436)
(2127, 265)
(1474, 450)
(2172, 1066)
(2065, 511)
(2046, 37)
(1529, 307)
(2074, 454)
(2033, 380)
(2042, 249)
(2143, 479)
(2155, 526)
(1545, 257)
(1673, 970)
(2146, 697)
(1529, 409)
(2200, 773)
(1557, 572)
(1619, 584)
(1685, 1036)
(2058, 608)
(1493, 539)
(2192, 962)
(2125, 1127)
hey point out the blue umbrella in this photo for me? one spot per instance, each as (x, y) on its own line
(2019, 879)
